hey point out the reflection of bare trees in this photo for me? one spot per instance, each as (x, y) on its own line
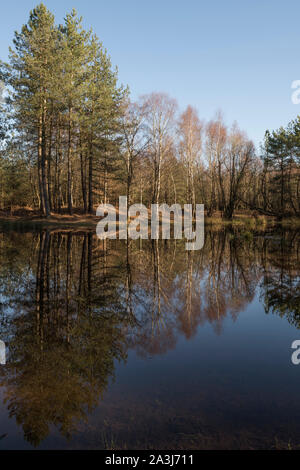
(231, 277)
(201, 286)
(154, 331)
(76, 304)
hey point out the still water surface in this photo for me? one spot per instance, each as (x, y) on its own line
(148, 346)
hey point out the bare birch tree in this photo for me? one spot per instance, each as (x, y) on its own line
(190, 147)
(159, 110)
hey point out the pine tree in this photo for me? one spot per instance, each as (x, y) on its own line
(74, 56)
(103, 110)
(29, 74)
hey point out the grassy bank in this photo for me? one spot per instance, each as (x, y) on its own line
(78, 220)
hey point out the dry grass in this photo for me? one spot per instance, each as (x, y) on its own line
(27, 216)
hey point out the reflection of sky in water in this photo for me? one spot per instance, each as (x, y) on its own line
(229, 383)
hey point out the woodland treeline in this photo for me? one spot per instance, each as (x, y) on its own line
(71, 138)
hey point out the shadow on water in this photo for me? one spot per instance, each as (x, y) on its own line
(72, 307)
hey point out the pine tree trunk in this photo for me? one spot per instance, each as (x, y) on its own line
(83, 182)
(90, 208)
(69, 165)
(42, 159)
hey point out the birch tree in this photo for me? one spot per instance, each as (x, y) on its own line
(159, 110)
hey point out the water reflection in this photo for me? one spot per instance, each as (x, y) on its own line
(72, 306)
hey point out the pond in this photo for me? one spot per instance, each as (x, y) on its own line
(144, 345)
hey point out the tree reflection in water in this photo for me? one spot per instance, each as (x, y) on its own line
(71, 306)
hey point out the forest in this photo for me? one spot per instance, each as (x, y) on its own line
(72, 138)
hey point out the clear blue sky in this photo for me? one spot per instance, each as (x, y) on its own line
(238, 56)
